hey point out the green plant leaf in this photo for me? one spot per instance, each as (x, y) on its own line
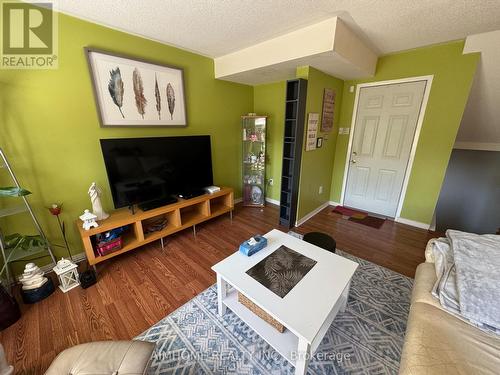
(12, 191)
(25, 242)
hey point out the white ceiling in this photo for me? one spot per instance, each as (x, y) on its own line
(481, 120)
(218, 27)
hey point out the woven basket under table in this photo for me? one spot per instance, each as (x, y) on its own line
(260, 313)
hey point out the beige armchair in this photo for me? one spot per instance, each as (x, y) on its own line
(5, 369)
(104, 358)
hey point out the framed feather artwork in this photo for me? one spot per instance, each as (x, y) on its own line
(134, 92)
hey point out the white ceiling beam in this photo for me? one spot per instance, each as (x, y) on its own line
(481, 119)
(328, 45)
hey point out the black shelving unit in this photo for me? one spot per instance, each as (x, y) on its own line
(295, 114)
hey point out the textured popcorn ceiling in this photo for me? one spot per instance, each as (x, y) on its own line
(217, 27)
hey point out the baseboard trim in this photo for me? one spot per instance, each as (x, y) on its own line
(401, 220)
(311, 214)
(269, 200)
(480, 146)
(77, 258)
(412, 223)
(272, 201)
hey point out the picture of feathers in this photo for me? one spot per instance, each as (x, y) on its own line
(171, 100)
(158, 98)
(115, 87)
(125, 88)
(140, 100)
(282, 270)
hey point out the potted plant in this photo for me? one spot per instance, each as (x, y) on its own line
(9, 309)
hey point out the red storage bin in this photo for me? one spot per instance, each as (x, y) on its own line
(104, 248)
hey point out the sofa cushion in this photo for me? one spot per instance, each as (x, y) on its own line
(103, 358)
(436, 342)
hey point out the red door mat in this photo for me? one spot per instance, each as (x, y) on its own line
(359, 217)
(345, 211)
(371, 221)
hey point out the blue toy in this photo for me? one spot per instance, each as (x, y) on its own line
(253, 245)
(111, 235)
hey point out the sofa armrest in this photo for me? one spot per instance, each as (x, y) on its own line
(429, 255)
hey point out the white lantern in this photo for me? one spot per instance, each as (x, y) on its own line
(67, 274)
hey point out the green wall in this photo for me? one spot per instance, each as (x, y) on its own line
(317, 165)
(50, 131)
(269, 99)
(453, 74)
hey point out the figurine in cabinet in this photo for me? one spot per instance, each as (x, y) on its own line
(254, 159)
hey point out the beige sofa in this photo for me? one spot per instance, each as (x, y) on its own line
(104, 358)
(437, 342)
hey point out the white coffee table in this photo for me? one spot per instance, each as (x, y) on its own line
(307, 311)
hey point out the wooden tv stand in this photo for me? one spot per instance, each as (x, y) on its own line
(183, 214)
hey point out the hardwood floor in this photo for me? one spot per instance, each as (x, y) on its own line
(139, 288)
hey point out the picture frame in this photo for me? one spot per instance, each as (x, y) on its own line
(312, 131)
(319, 142)
(328, 109)
(134, 92)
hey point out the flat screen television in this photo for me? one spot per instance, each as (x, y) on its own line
(142, 170)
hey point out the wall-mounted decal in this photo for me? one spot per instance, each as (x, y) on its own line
(125, 88)
(312, 131)
(328, 110)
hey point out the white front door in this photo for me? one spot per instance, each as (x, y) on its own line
(384, 129)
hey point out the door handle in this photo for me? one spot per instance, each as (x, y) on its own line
(354, 153)
(353, 161)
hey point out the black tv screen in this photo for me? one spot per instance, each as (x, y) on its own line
(148, 169)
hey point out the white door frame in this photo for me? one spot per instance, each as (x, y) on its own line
(415, 138)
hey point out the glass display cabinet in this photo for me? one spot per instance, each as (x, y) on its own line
(254, 160)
